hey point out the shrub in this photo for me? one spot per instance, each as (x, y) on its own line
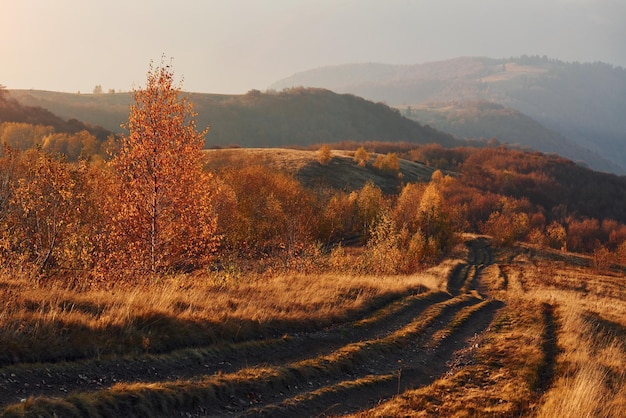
(388, 163)
(324, 155)
(361, 157)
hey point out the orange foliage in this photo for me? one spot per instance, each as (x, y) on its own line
(162, 214)
(388, 163)
(39, 220)
(274, 211)
(324, 155)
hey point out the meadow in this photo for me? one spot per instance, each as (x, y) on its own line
(490, 331)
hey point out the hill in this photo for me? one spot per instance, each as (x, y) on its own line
(487, 120)
(292, 117)
(340, 173)
(12, 110)
(553, 185)
(583, 102)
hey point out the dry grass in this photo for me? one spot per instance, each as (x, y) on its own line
(499, 382)
(555, 347)
(591, 363)
(54, 323)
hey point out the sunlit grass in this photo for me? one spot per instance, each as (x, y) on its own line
(53, 323)
(555, 347)
(498, 383)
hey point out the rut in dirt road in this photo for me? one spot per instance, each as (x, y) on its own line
(406, 344)
(413, 361)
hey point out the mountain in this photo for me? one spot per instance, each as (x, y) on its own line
(292, 117)
(583, 102)
(487, 120)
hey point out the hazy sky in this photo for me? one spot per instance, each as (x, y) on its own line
(232, 46)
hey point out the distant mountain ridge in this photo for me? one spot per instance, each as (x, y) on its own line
(292, 117)
(487, 120)
(583, 102)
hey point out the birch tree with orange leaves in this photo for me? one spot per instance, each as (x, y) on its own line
(162, 213)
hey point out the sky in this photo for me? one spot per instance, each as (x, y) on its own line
(233, 46)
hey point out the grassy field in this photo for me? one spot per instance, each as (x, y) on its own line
(341, 172)
(488, 332)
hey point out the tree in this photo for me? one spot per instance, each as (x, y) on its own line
(324, 155)
(388, 163)
(273, 211)
(42, 215)
(163, 214)
(361, 157)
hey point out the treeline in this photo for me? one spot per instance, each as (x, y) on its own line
(58, 217)
(157, 208)
(297, 116)
(517, 195)
(25, 127)
(529, 196)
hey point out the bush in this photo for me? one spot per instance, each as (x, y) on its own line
(324, 156)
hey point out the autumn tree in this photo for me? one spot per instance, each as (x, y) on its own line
(431, 232)
(324, 155)
(40, 216)
(273, 212)
(388, 163)
(361, 157)
(370, 204)
(163, 217)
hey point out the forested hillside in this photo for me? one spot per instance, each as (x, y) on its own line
(23, 127)
(487, 120)
(293, 117)
(583, 102)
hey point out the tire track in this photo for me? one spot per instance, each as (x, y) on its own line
(405, 344)
(416, 366)
(549, 347)
(427, 358)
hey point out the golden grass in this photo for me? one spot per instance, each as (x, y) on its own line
(499, 382)
(167, 396)
(591, 362)
(556, 347)
(54, 323)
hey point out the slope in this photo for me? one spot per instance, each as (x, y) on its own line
(341, 173)
(11, 110)
(486, 120)
(293, 117)
(583, 102)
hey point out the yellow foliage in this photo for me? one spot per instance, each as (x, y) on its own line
(162, 213)
(388, 163)
(361, 156)
(324, 155)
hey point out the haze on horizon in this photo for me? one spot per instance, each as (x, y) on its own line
(238, 45)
